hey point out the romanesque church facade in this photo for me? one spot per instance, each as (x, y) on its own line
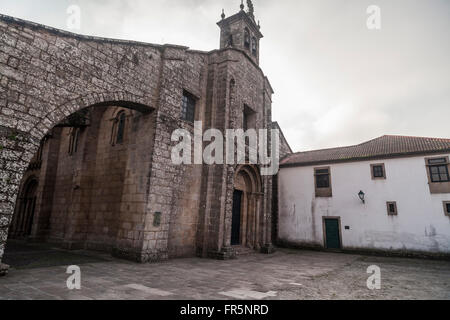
(86, 127)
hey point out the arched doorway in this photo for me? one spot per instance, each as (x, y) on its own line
(23, 219)
(246, 208)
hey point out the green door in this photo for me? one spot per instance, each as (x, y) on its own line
(332, 234)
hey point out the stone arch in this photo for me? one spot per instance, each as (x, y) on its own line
(247, 200)
(17, 146)
(251, 173)
(118, 98)
(38, 130)
(25, 145)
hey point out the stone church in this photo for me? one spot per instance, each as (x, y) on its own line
(85, 143)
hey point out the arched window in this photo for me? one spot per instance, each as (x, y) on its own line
(247, 38)
(118, 128)
(254, 46)
(73, 140)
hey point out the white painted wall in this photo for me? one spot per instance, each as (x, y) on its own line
(421, 224)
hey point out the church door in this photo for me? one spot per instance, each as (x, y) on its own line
(236, 218)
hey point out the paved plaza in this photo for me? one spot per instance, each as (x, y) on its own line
(39, 272)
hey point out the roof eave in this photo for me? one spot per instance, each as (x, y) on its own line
(369, 158)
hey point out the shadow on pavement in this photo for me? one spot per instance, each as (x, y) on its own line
(24, 255)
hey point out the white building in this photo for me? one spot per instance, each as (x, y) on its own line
(391, 193)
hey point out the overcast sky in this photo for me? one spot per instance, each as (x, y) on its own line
(336, 82)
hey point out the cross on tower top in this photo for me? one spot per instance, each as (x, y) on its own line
(251, 9)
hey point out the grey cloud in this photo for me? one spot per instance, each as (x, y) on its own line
(336, 82)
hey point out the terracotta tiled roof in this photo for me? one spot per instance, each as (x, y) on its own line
(382, 147)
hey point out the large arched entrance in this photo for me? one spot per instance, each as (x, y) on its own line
(80, 189)
(247, 197)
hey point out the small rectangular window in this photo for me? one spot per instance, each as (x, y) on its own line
(378, 171)
(188, 107)
(438, 168)
(392, 208)
(322, 180)
(447, 208)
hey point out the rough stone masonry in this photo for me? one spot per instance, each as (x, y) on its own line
(47, 75)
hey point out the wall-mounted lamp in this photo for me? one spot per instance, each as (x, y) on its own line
(361, 195)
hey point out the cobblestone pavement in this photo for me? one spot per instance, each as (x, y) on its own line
(286, 274)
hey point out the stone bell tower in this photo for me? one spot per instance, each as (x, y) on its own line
(241, 31)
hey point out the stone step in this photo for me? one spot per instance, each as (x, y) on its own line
(242, 251)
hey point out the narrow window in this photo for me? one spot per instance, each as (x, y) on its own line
(447, 208)
(322, 179)
(188, 107)
(230, 41)
(438, 168)
(378, 171)
(246, 39)
(248, 118)
(254, 46)
(73, 140)
(392, 208)
(120, 127)
(245, 121)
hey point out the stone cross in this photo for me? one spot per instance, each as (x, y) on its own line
(251, 9)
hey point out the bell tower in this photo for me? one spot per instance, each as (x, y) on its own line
(241, 31)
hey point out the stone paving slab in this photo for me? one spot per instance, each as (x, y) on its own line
(286, 274)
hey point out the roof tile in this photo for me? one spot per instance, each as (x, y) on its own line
(385, 146)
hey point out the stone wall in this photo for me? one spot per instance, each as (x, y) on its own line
(96, 196)
(111, 198)
(48, 74)
(285, 148)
